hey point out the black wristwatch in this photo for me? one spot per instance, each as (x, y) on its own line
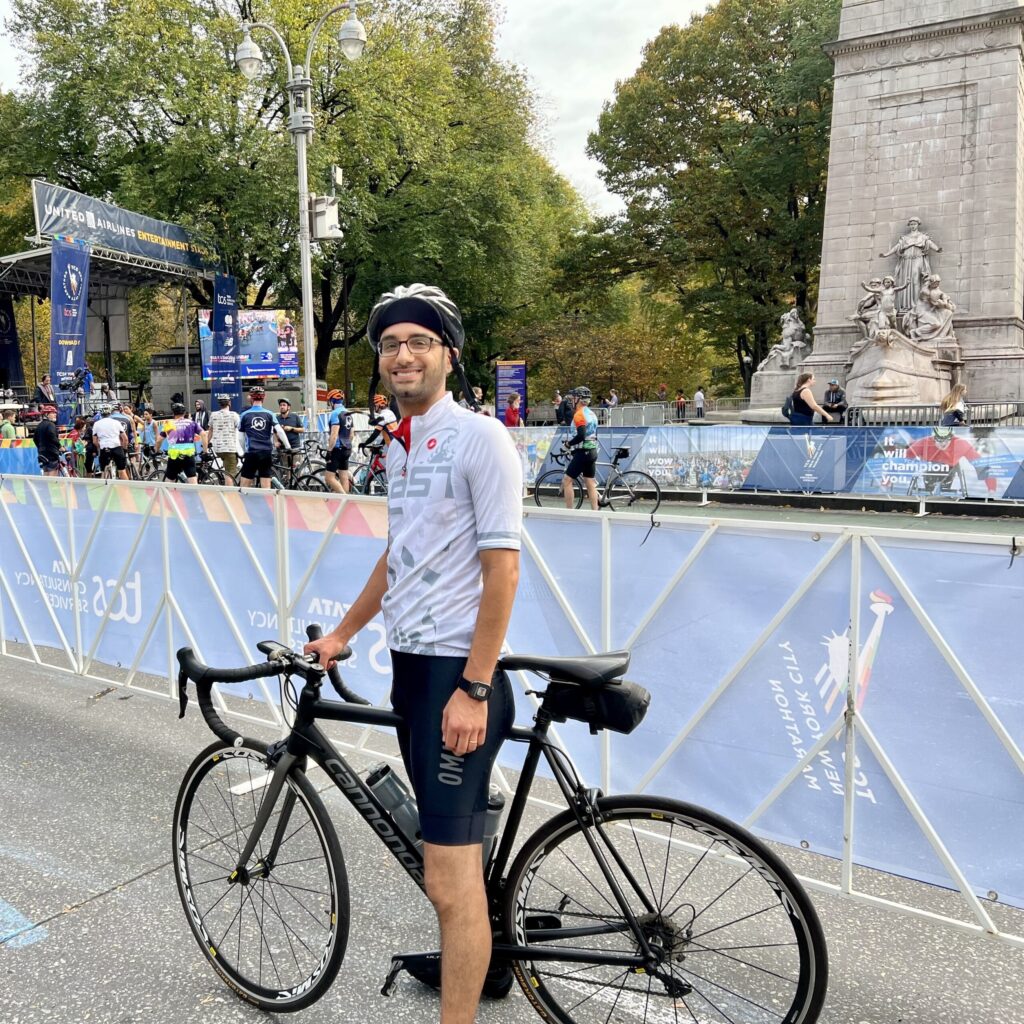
(476, 690)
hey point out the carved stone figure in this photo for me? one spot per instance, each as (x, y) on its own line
(912, 264)
(931, 319)
(793, 347)
(868, 306)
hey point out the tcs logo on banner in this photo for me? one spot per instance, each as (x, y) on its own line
(125, 604)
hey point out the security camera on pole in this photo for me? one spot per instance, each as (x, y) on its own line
(318, 215)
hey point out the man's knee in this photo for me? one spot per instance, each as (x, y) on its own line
(452, 875)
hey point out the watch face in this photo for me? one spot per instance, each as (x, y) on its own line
(480, 691)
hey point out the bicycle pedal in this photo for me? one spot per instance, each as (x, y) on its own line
(397, 966)
(424, 967)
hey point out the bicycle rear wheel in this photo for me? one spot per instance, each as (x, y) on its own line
(736, 939)
(311, 482)
(547, 491)
(634, 491)
(277, 936)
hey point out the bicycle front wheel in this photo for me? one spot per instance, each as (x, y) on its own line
(633, 491)
(277, 934)
(734, 937)
(547, 491)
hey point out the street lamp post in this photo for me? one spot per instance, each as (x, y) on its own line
(249, 60)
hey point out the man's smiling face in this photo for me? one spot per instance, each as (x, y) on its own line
(416, 379)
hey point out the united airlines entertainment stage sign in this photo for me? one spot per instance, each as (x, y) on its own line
(62, 212)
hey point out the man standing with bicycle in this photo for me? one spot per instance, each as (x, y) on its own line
(445, 585)
(584, 459)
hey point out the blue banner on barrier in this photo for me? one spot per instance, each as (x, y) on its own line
(736, 704)
(69, 303)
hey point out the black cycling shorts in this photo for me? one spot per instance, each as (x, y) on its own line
(584, 460)
(337, 460)
(451, 791)
(257, 464)
(183, 464)
(116, 455)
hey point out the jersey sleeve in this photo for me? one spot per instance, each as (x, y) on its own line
(579, 418)
(494, 472)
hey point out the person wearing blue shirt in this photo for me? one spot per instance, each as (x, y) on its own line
(339, 445)
(260, 427)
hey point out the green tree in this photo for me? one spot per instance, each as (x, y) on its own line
(138, 102)
(628, 338)
(719, 146)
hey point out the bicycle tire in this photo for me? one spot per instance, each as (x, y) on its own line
(211, 818)
(756, 888)
(633, 491)
(375, 484)
(547, 491)
(313, 483)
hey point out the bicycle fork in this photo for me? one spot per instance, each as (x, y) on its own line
(261, 869)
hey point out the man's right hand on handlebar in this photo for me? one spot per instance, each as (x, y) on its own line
(328, 649)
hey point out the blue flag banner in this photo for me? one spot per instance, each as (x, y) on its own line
(224, 356)
(12, 374)
(69, 299)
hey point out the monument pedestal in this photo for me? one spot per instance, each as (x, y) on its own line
(769, 388)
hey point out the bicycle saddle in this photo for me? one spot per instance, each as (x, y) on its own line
(587, 670)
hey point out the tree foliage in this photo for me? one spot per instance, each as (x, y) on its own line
(138, 102)
(719, 146)
(631, 339)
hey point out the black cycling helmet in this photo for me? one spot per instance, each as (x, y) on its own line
(419, 304)
(178, 409)
(257, 391)
(583, 394)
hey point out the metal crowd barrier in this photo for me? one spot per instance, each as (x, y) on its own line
(820, 683)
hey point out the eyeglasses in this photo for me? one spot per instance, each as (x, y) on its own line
(418, 345)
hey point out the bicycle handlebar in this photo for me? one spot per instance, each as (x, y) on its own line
(279, 661)
(314, 632)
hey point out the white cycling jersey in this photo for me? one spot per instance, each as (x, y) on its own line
(107, 432)
(457, 491)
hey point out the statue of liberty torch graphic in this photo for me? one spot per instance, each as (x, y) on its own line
(832, 676)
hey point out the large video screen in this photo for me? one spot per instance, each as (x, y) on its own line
(267, 343)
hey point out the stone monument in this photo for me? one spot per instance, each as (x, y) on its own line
(774, 377)
(926, 178)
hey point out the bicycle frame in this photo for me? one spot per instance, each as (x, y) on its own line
(306, 741)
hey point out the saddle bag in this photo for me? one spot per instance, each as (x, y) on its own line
(619, 708)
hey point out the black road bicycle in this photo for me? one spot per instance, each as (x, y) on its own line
(623, 490)
(618, 909)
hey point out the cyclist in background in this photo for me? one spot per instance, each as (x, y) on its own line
(446, 586)
(259, 427)
(111, 437)
(47, 440)
(225, 424)
(291, 424)
(339, 444)
(584, 441)
(182, 439)
(383, 421)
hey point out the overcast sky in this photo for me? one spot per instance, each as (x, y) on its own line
(573, 51)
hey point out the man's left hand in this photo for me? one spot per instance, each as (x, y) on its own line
(464, 723)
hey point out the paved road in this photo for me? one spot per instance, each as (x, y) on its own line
(88, 788)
